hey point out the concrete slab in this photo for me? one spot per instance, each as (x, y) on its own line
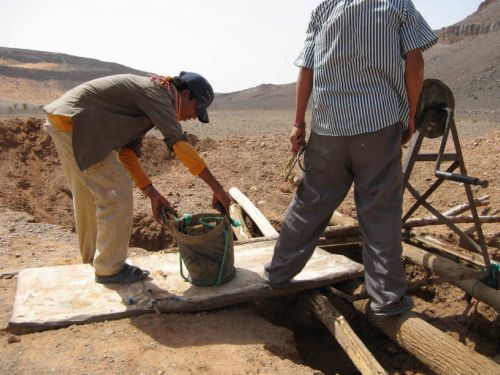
(54, 297)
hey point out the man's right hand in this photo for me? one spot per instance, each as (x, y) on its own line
(158, 202)
(297, 138)
(408, 133)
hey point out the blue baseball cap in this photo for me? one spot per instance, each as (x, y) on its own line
(201, 90)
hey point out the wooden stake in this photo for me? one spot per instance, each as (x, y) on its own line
(260, 220)
(343, 333)
(481, 201)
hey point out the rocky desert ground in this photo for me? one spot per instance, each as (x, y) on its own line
(263, 337)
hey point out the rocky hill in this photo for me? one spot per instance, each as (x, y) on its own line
(485, 20)
(466, 57)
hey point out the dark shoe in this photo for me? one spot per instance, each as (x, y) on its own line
(127, 275)
(404, 304)
(276, 285)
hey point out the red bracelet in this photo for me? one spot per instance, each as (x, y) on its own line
(300, 125)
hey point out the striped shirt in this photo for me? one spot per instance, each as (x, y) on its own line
(357, 49)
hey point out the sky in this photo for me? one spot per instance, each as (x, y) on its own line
(235, 44)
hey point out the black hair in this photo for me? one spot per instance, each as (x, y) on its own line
(180, 85)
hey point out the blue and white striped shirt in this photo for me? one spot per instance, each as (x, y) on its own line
(357, 50)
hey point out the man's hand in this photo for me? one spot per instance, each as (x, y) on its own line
(220, 196)
(158, 202)
(408, 132)
(297, 138)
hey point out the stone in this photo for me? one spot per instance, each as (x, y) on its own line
(13, 339)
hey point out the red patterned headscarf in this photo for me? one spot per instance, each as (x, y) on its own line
(166, 82)
(162, 80)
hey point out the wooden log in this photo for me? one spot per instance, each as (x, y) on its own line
(241, 232)
(343, 230)
(481, 201)
(343, 333)
(352, 230)
(444, 267)
(338, 219)
(260, 220)
(342, 241)
(438, 351)
(432, 220)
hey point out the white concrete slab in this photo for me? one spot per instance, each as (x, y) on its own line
(53, 297)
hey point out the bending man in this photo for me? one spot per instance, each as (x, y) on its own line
(98, 128)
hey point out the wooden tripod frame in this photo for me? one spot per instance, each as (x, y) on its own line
(457, 161)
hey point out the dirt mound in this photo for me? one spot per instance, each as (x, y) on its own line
(33, 181)
(30, 173)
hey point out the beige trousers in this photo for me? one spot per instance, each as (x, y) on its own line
(102, 203)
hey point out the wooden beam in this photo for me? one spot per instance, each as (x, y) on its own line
(241, 232)
(445, 267)
(260, 220)
(343, 333)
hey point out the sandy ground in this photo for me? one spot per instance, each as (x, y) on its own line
(246, 150)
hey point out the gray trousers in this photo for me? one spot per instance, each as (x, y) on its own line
(373, 162)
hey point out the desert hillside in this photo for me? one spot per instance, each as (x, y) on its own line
(467, 58)
(36, 77)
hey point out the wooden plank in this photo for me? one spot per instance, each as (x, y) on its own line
(260, 220)
(241, 232)
(450, 249)
(359, 354)
(53, 297)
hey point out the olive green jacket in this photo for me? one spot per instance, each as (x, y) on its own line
(111, 112)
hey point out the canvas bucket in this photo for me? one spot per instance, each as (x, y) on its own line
(206, 248)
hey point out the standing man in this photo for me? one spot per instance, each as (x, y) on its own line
(362, 60)
(98, 128)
